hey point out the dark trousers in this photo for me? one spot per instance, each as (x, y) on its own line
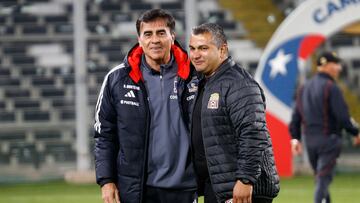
(323, 150)
(205, 188)
(161, 195)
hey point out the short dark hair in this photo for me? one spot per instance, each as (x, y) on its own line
(217, 32)
(152, 15)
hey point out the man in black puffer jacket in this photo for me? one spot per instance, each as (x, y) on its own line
(231, 146)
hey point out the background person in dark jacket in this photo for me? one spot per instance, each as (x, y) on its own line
(142, 140)
(232, 149)
(321, 110)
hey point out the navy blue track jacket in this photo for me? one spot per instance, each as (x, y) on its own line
(321, 109)
(122, 122)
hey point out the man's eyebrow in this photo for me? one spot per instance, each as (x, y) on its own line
(199, 47)
(161, 30)
(147, 31)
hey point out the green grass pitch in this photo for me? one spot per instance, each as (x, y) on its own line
(345, 188)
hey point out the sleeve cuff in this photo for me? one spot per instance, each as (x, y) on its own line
(105, 181)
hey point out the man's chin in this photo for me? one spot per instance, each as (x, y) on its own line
(157, 57)
(199, 69)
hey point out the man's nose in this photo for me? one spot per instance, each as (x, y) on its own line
(194, 54)
(155, 39)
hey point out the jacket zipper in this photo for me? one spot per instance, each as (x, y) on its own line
(202, 134)
(147, 116)
(162, 84)
(180, 89)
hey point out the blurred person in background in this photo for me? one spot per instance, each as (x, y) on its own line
(231, 147)
(142, 142)
(320, 114)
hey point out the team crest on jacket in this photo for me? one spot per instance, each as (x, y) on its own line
(213, 101)
(193, 87)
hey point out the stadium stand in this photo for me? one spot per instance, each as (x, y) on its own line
(37, 93)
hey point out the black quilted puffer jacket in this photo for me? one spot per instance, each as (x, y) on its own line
(236, 140)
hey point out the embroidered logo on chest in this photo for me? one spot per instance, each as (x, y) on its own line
(213, 101)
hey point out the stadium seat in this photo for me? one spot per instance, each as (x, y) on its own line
(68, 79)
(2, 105)
(341, 41)
(62, 152)
(29, 70)
(98, 28)
(9, 82)
(4, 158)
(47, 135)
(5, 73)
(24, 18)
(22, 60)
(12, 136)
(172, 5)
(14, 49)
(7, 30)
(43, 81)
(2, 19)
(25, 104)
(110, 6)
(120, 17)
(63, 103)
(25, 153)
(93, 18)
(7, 117)
(57, 19)
(136, 6)
(64, 28)
(34, 29)
(52, 92)
(35, 115)
(356, 64)
(67, 114)
(16, 93)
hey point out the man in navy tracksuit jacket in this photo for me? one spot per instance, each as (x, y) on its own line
(141, 123)
(322, 112)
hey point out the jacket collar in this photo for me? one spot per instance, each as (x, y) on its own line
(134, 60)
(325, 75)
(226, 64)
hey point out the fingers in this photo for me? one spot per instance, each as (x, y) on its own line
(117, 199)
(242, 199)
(296, 148)
(109, 193)
(356, 141)
(242, 193)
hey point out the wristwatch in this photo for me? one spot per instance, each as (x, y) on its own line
(245, 181)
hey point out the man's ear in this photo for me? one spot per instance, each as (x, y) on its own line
(173, 37)
(223, 51)
(139, 41)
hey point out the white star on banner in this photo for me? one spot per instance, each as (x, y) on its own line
(278, 64)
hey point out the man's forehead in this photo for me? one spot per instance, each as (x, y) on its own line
(157, 24)
(204, 39)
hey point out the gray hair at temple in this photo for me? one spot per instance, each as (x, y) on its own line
(216, 31)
